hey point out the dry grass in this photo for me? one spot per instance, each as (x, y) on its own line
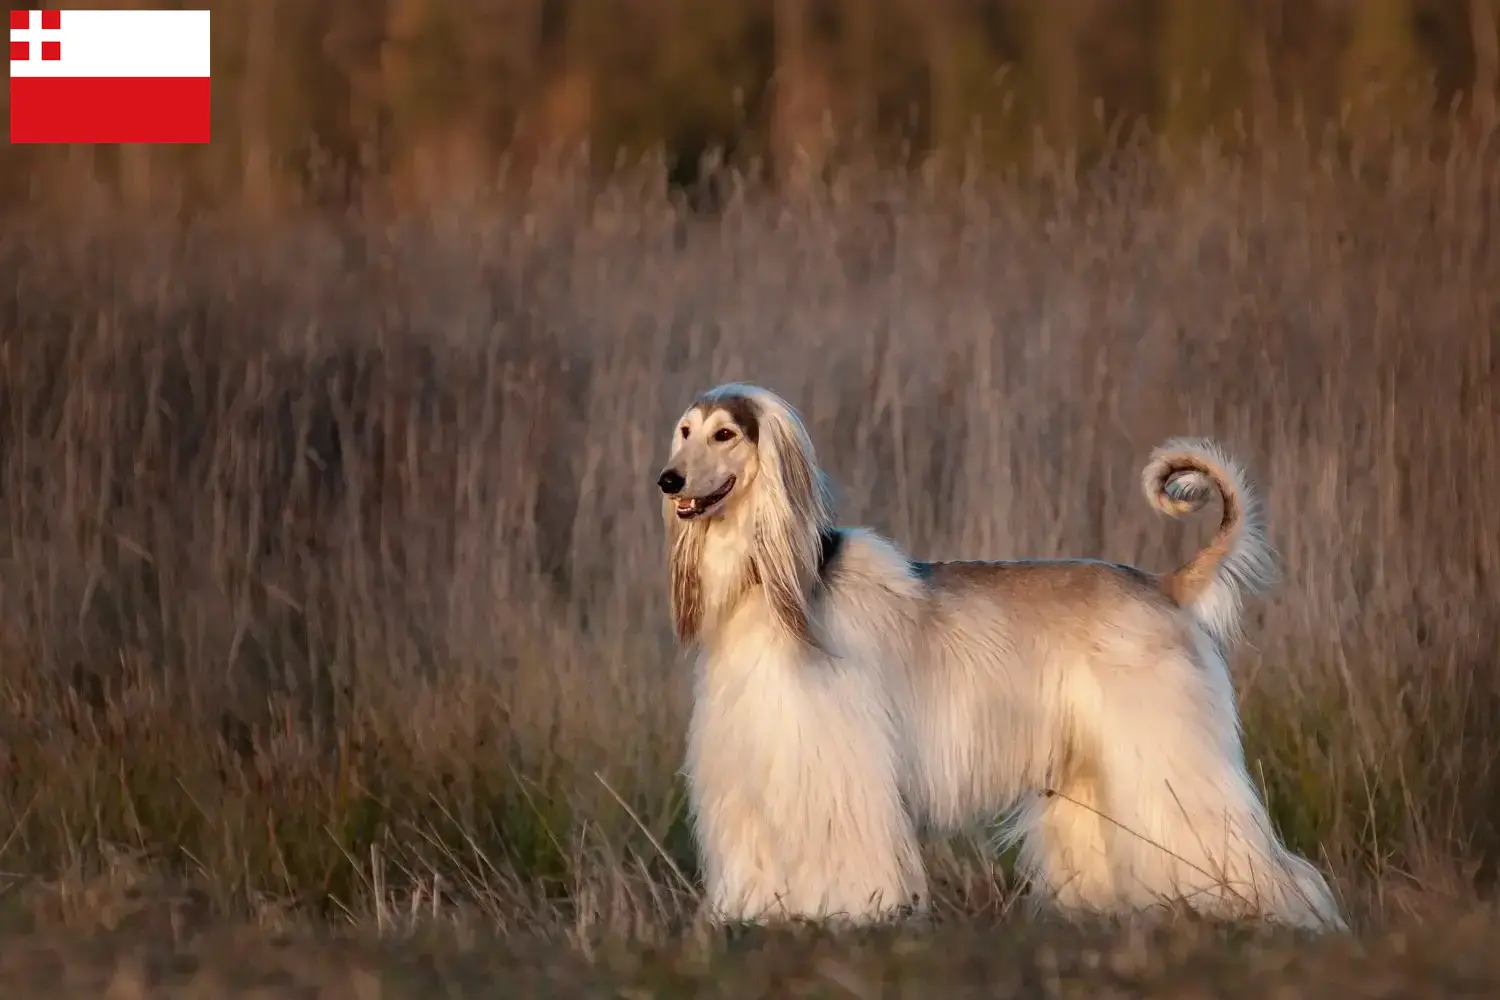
(332, 574)
(1019, 961)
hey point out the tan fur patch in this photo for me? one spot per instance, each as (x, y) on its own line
(685, 553)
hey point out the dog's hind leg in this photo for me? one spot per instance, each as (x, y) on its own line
(1184, 820)
(1063, 847)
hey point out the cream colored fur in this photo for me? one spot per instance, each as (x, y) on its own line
(846, 695)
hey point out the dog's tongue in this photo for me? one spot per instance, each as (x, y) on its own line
(686, 504)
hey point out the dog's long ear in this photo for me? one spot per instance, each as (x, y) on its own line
(792, 514)
(684, 551)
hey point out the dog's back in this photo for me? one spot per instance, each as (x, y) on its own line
(999, 651)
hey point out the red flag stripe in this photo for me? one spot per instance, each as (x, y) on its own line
(109, 110)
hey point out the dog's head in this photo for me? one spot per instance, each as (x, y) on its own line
(742, 448)
(715, 455)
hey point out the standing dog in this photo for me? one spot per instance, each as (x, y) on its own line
(845, 693)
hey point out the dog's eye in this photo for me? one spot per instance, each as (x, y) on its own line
(724, 434)
(684, 430)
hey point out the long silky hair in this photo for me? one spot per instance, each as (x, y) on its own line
(791, 512)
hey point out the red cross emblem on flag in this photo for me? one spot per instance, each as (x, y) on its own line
(48, 21)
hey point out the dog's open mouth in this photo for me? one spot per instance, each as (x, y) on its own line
(691, 507)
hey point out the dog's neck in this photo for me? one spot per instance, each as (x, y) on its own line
(725, 567)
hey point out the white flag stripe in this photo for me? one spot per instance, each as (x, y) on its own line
(118, 43)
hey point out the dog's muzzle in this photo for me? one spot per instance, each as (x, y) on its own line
(691, 507)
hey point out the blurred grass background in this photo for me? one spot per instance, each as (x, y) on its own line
(440, 96)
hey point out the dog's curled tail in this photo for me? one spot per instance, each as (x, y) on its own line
(1179, 479)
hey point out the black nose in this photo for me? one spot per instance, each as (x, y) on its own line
(671, 482)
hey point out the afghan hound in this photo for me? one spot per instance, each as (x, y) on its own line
(847, 696)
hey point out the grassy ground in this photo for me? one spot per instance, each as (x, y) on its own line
(1016, 960)
(331, 573)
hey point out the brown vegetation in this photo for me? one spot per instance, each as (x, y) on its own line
(380, 100)
(331, 582)
(1019, 961)
(332, 569)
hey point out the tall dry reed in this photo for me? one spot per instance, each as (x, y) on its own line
(330, 563)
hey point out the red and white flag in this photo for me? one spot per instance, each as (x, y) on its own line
(109, 76)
